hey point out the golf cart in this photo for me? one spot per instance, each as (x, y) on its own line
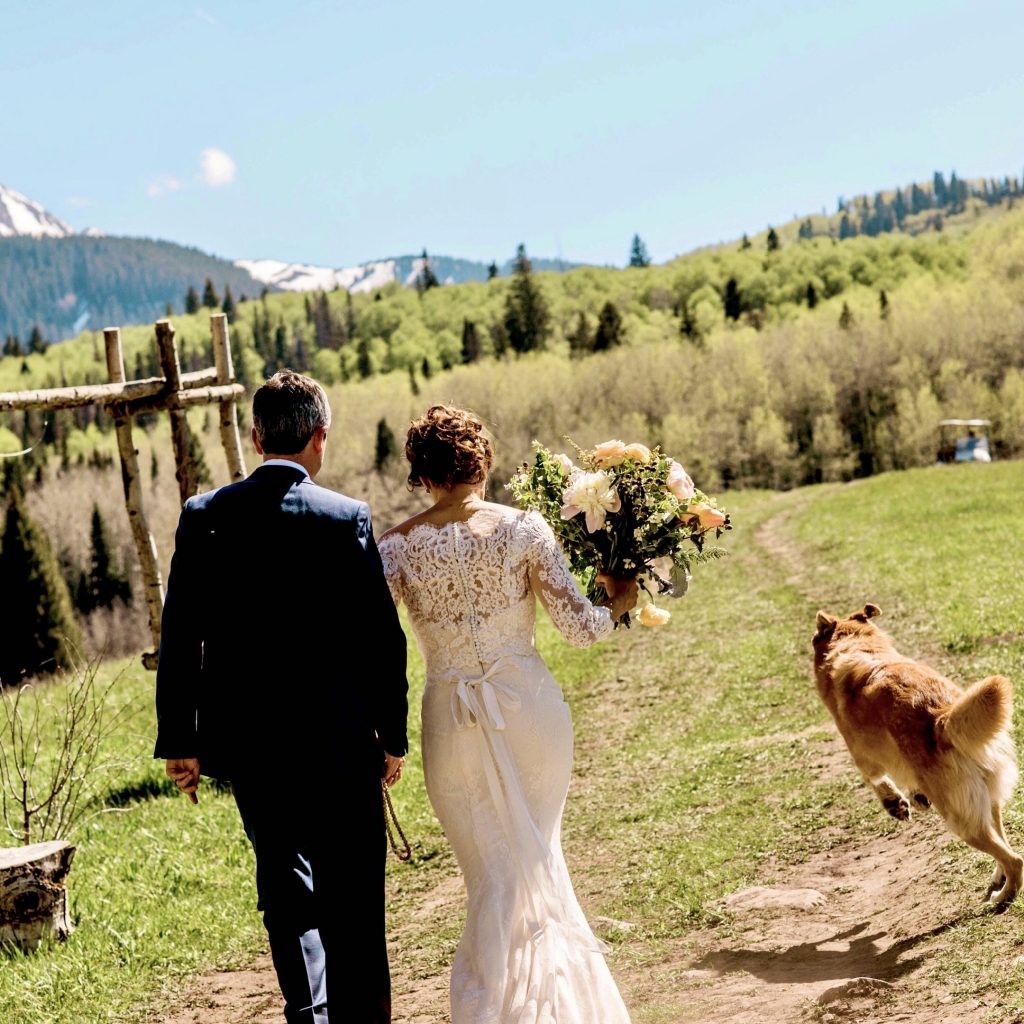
(963, 441)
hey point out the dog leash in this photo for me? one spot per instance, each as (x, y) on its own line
(391, 826)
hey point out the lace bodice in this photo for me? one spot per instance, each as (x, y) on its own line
(470, 587)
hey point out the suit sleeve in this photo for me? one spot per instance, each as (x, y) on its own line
(181, 646)
(389, 696)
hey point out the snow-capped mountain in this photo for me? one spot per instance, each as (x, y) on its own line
(20, 215)
(306, 277)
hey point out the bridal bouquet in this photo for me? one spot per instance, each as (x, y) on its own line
(626, 510)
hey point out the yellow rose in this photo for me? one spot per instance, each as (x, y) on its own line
(649, 615)
(637, 453)
(609, 454)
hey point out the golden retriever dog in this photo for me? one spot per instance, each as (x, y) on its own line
(919, 739)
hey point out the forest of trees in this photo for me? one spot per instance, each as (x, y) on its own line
(52, 284)
(785, 359)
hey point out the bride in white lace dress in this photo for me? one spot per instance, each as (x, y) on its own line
(497, 734)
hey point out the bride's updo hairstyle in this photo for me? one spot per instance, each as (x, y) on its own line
(448, 446)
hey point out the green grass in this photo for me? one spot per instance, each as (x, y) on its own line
(697, 770)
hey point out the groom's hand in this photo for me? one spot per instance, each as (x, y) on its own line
(184, 771)
(392, 768)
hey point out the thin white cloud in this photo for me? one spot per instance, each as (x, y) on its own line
(205, 16)
(216, 167)
(162, 186)
(80, 202)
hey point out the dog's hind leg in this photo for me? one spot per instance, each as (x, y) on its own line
(999, 875)
(988, 840)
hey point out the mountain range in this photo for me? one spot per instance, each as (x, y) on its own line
(64, 281)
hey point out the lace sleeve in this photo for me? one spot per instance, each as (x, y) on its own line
(389, 558)
(579, 621)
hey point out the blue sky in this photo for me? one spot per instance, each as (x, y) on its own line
(335, 133)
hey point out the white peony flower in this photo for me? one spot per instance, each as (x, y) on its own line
(649, 615)
(593, 495)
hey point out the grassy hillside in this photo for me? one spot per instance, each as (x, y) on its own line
(700, 750)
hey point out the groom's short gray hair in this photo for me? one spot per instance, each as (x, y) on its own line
(286, 411)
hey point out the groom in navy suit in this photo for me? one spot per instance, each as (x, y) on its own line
(282, 671)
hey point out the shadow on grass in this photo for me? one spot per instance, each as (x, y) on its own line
(153, 787)
(806, 962)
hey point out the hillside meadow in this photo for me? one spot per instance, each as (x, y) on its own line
(699, 770)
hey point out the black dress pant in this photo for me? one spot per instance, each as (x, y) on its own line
(320, 849)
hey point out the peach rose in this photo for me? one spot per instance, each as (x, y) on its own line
(649, 615)
(637, 453)
(678, 482)
(609, 454)
(709, 517)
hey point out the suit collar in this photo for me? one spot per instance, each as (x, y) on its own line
(280, 469)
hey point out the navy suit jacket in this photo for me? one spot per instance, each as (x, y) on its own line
(280, 644)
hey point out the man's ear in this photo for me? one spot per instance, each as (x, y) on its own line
(319, 439)
(256, 441)
(825, 622)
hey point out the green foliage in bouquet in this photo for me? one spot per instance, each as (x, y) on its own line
(625, 510)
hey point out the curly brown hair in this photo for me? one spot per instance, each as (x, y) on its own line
(448, 446)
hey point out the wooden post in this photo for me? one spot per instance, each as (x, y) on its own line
(33, 894)
(185, 470)
(132, 482)
(229, 436)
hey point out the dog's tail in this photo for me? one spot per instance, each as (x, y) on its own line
(983, 712)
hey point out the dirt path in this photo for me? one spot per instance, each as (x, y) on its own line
(850, 935)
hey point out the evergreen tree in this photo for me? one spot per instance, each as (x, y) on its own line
(806, 229)
(638, 256)
(168, 310)
(846, 317)
(939, 189)
(745, 242)
(39, 628)
(609, 333)
(774, 245)
(385, 448)
(350, 317)
(105, 583)
(899, 207)
(470, 342)
(527, 320)
(363, 364)
(580, 340)
(210, 299)
(883, 305)
(812, 295)
(36, 342)
(280, 349)
(228, 305)
(191, 300)
(12, 346)
(499, 339)
(427, 278)
(847, 229)
(919, 199)
(492, 271)
(731, 301)
(426, 369)
(202, 470)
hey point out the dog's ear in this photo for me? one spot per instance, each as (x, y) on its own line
(825, 622)
(869, 611)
